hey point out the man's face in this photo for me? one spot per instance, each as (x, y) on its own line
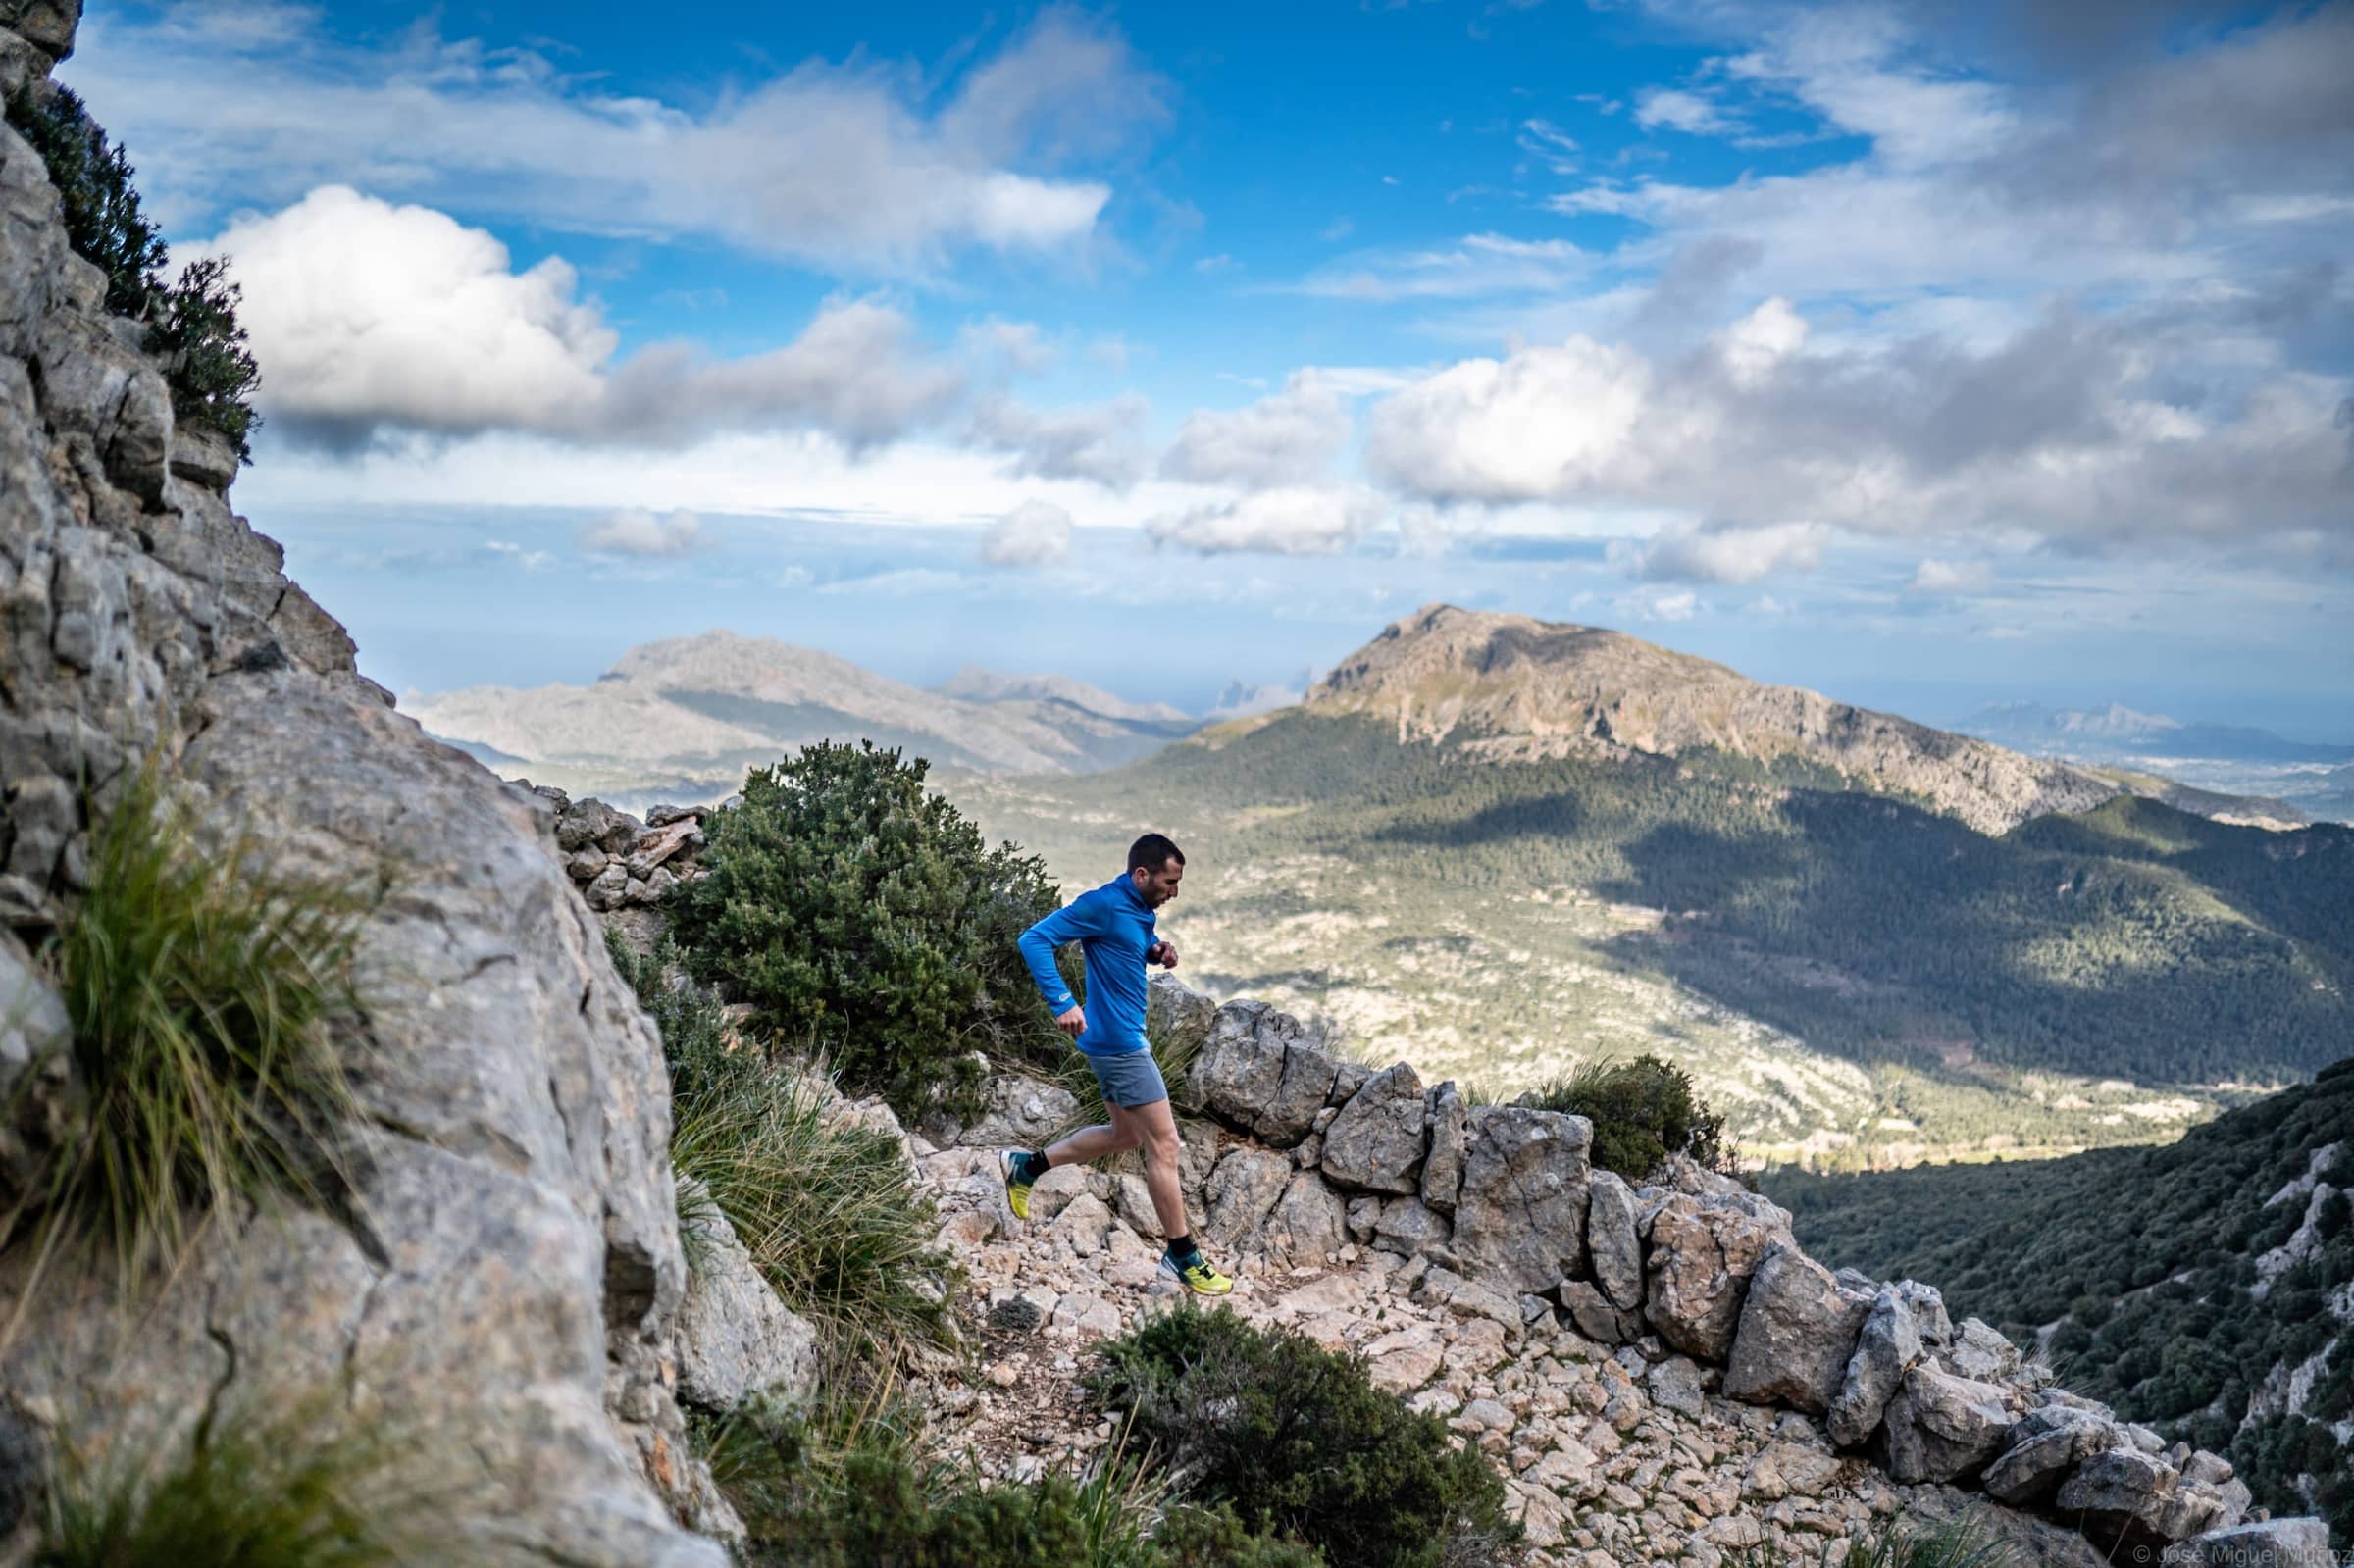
(1157, 888)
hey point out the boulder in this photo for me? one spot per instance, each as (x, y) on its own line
(1177, 1018)
(1448, 1121)
(1886, 1348)
(1943, 1427)
(1409, 1228)
(1612, 1240)
(1797, 1333)
(1309, 1223)
(1979, 1352)
(2122, 1491)
(2302, 1543)
(2041, 1448)
(736, 1339)
(1375, 1142)
(1243, 1189)
(40, 1089)
(1704, 1248)
(47, 24)
(1264, 1072)
(1521, 1218)
(1675, 1384)
(1596, 1317)
(1018, 1111)
(1928, 1313)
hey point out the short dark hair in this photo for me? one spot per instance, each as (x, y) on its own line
(1153, 851)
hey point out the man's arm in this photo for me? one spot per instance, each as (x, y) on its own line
(1068, 924)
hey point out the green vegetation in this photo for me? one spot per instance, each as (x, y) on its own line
(861, 911)
(845, 1484)
(193, 323)
(199, 988)
(245, 1489)
(1297, 1440)
(1643, 1110)
(1491, 918)
(2166, 1277)
(825, 1204)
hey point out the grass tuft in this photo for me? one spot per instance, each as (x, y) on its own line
(199, 990)
(274, 1489)
(1954, 1543)
(827, 1207)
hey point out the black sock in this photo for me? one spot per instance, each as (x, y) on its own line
(1035, 1165)
(1181, 1247)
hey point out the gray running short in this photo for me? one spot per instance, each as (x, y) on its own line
(1130, 1079)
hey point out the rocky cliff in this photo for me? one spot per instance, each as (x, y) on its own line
(1662, 1373)
(505, 1271)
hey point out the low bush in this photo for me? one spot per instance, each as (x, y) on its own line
(1298, 1441)
(1643, 1110)
(845, 1484)
(199, 988)
(211, 372)
(1951, 1543)
(858, 910)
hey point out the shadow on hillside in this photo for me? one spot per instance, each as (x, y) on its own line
(1885, 934)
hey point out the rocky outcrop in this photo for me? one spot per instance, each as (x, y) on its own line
(505, 1272)
(735, 1340)
(1508, 1236)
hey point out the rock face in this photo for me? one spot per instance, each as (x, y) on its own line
(1521, 1214)
(507, 1268)
(1886, 1348)
(1376, 1141)
(1613, 1243)
(1450, 1124)
(2269, 1544)
(1796, 1334)
(2043, 1447)
(1263, 1070)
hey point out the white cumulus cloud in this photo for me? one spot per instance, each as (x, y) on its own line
(1033, 534)
(1731, 554)
(1290, 438)
(638, 531)
(1290, 520)
(366, 315)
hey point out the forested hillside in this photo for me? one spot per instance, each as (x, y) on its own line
(2206, 1287)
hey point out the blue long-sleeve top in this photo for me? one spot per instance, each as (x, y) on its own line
(1114, 929)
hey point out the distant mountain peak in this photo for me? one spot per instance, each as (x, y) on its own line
(1511, 686)
(974, 684)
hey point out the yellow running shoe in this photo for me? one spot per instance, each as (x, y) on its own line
(1015, 1164)
(1196, 1274)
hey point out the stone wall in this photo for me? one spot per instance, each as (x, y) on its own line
(1502, 1214)
(506, 1271)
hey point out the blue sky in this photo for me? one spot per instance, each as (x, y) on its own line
(1922, 353)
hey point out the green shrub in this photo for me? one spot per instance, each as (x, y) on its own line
(1643, 1110)
(211, 373)
(698, 1046)
(248, 1490)
(193, 323)
(853, 907)
(1298, 1441)
(199, 988)
(1952, 1544)
(103, 220)
(845, 1482)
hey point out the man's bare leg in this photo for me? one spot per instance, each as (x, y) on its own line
(1156, 1130)
(1092, 1143)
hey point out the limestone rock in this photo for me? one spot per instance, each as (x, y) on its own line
(1244, 1190)
(1980, 1351)
(1704, 1248)
(1177, 1018)
(1674, 1384)
(1797, 1333)
(1408, 1228)
(1262, 1071)
(735, 1338)
(2123, 1492)
(1448, 1121)
(1612, 1240)
(2302, 1543)
(40, 1090)
(1943, 1427)
(1888, 1346)
(1521, 1218)
(1375, 1142)
(47, 24)
(1309, 1223)
(1018, 1112)
(2041, 1448)
(1596, 1317)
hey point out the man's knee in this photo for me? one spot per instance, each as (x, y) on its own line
(1163, 1148)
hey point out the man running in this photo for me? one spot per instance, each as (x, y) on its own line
(1113, 925)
